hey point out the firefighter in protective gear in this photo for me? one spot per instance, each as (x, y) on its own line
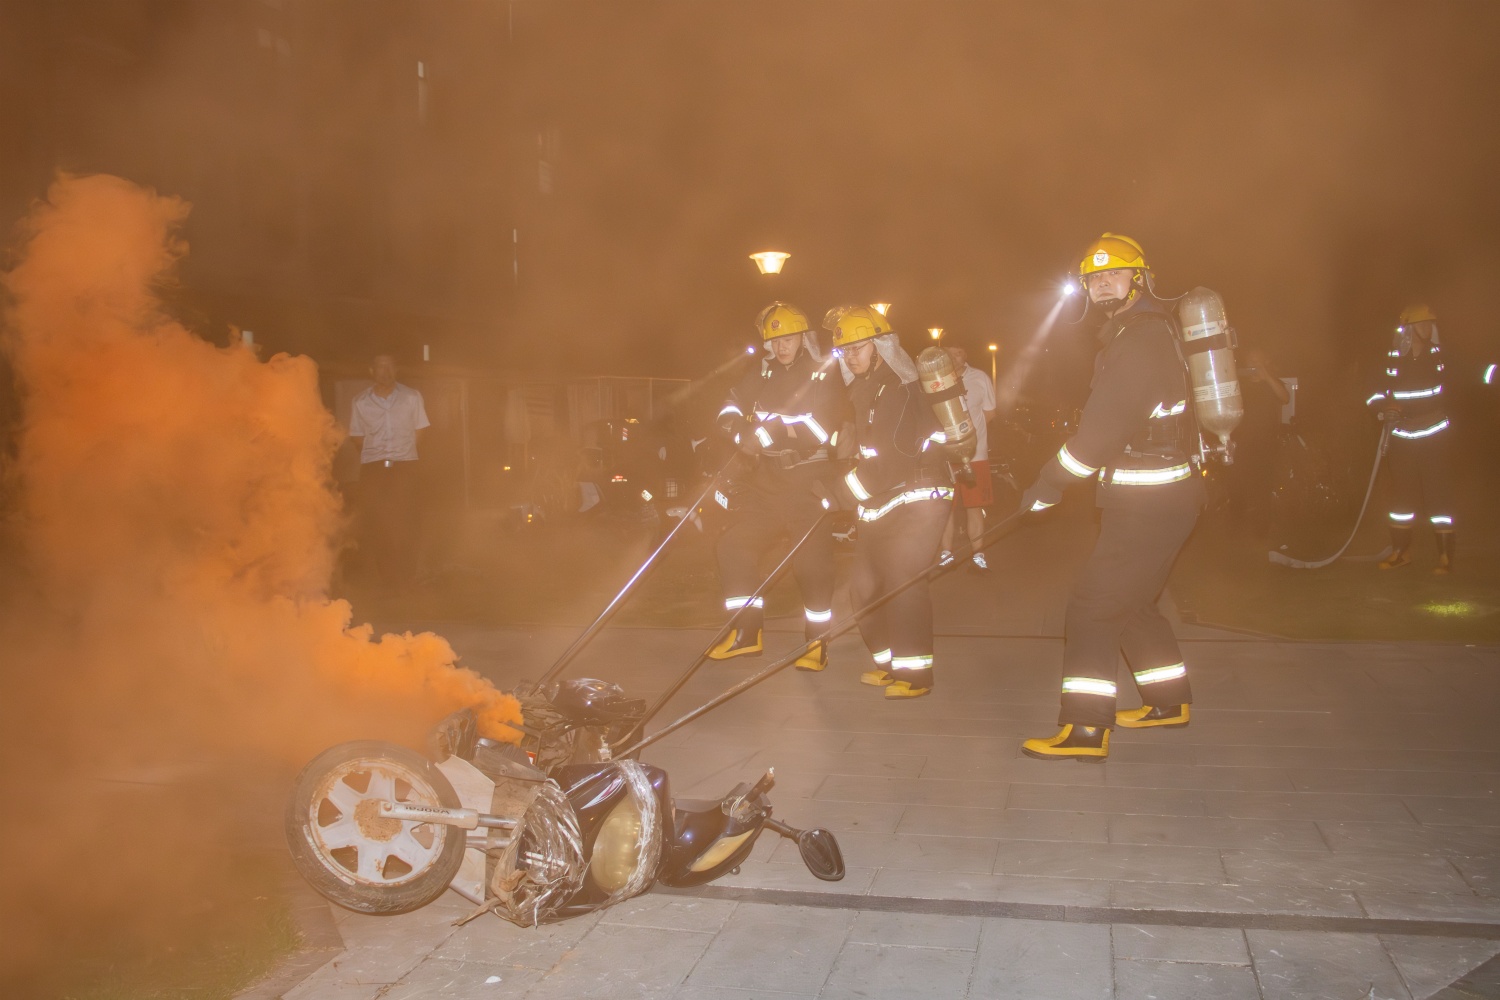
(1136, 437)
(902, 492)
(784, 413)
(1411, 398)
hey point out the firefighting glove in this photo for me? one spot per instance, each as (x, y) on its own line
(1041, 496)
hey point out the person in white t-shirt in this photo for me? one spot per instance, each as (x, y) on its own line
(972, 500)
(387, 420)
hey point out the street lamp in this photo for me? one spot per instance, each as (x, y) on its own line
(994, 354)
(936, 332)
(881, 307)
(769, 261)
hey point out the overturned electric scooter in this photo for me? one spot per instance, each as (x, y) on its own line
(549, 829)
(379, 828)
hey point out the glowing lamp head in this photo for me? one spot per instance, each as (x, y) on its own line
(994, 347)
(935, 332)
(750, 349)
(881, 307)
(1070, 287)
(769, 261)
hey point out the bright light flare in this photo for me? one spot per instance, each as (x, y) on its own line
(936, 332)
(769, 261)
(881, 307)
(750, 349)
(1070, 287)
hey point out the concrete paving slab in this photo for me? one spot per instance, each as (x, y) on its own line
(917, 930)
(1054, 892)
(692, 992)
(1214, 831)
(892, 972)
(1462, 906)
(620, 960)
(672, 913)
(1215, 945)
(449, 980)
(1262, 899)
(1453, 812)
(1403, 838)
(1005, 824)
(1428, 964)
(1347, 870)
(788, 949)
(1110, 862)
(1038, 960)
(1117, 801)
(1138, 979)
(490, 939)
(1304, 965)
(1306, 806)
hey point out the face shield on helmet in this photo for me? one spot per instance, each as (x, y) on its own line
(1417, 322)
(854, 324)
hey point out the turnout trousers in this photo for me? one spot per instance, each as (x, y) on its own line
(778, 509)
(1113, 609)
(890, 551)
(1421, 481)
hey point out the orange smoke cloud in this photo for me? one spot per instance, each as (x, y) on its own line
(176, 515)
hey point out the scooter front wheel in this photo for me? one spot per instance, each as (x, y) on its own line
(357, 858)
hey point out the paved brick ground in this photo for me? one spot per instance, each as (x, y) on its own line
(1329, 824)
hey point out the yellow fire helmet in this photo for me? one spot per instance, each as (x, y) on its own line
(851, 324)
(1112, 251)
(1417, 314)
(780, 319)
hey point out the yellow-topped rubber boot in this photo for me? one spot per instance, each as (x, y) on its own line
(903, 689)
(1072, 742)
(815, 659)
(1147, 716)
(736, 643)
(1445, 554)
(1400, 549)
(876, 678)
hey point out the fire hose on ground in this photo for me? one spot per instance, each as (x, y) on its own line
(1285, 560)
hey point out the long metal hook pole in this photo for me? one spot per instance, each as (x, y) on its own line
(988, 538)
(702, 657)
(614, 605)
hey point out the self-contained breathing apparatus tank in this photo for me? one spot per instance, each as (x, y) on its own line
(1208, 341)
(945, 393)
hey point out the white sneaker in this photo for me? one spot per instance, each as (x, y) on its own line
(945, 558)
(979, 562)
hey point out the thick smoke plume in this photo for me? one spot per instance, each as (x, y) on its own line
(173, 530)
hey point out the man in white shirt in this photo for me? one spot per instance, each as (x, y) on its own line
(972, 500)
(387, 420)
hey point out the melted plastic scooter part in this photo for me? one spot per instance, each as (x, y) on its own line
(936, 569)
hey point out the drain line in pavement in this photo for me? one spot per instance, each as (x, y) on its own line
(1095, 914)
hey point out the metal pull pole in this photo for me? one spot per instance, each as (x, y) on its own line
(723, 631)
(604, 616)
(988, 538)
